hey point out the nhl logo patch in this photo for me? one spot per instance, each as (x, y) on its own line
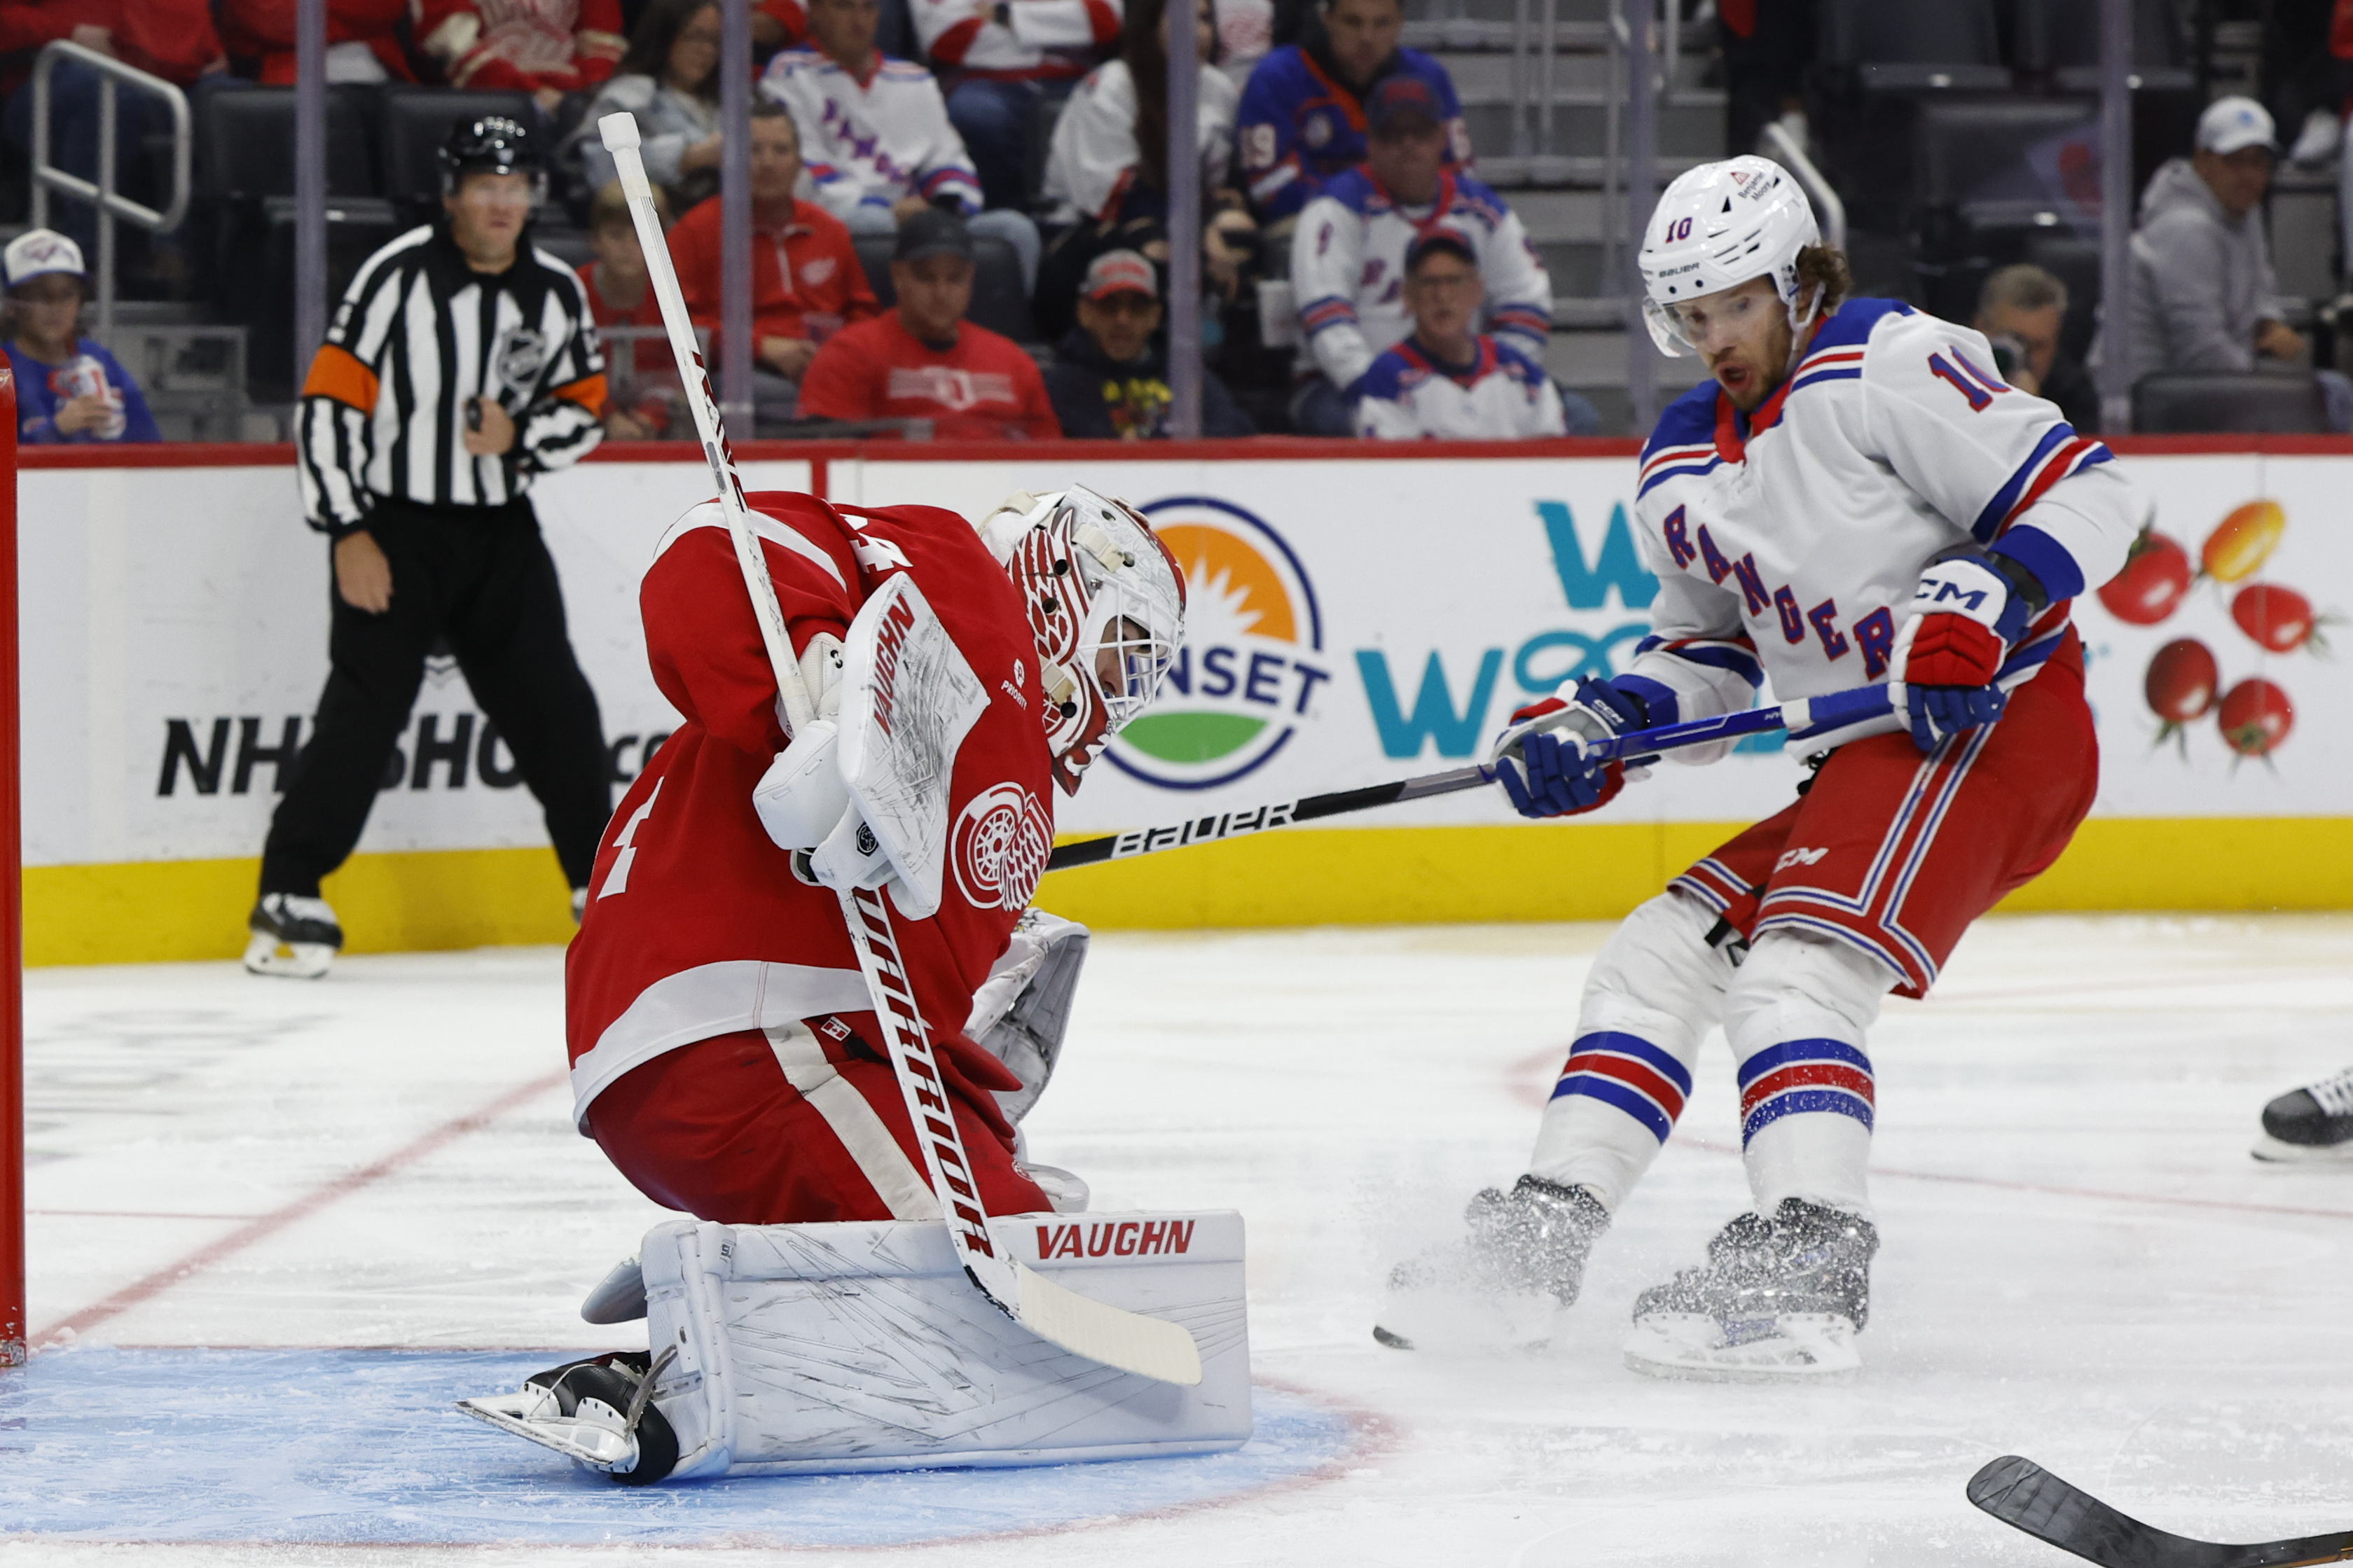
(1000, 846)
(1317, 131)
(521, 352)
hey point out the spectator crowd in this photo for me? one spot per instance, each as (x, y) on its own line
(959, 209)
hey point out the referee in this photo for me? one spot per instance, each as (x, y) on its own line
(461, 364)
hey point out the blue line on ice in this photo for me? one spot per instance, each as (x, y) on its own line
(361, 1446)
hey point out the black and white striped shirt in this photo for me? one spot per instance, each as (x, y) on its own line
(418, 334)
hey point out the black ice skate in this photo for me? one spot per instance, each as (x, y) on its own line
(1779, 1300)
(1524, 1260)
(293, 936)
(598, 1412)
(2310, 1124)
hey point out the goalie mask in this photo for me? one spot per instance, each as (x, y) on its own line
(1106, 603)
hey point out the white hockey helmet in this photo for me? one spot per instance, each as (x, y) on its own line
(1716, 227)
(1106, 603)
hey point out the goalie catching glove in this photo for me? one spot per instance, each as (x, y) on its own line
(1541, 759)
(1970, 610)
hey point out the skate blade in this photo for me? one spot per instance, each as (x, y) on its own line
(265, 954)
(2272, 1151)
(1804, 1347)
(1466, 1322)
(593, 1443)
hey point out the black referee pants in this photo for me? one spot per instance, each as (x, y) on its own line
(481, 578)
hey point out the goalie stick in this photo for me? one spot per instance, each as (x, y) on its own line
(1130, 1342)
(1835, 711)
(2022, 1494)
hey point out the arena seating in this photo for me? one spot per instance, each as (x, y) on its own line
(2208, 401)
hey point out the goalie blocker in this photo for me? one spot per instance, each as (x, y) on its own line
(801, 1348)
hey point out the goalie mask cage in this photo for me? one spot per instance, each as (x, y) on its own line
(11, 914)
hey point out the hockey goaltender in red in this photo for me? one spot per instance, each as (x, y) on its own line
(725, 1051)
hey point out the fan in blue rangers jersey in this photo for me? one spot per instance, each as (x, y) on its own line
(1303, 117)
(1854, 498)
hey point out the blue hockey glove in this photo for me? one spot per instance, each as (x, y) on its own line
(1540, 757)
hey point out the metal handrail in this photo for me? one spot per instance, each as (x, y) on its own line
(48, 177)
(1785, 151)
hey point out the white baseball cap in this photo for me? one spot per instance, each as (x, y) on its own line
(40, 250)
(2232, 124)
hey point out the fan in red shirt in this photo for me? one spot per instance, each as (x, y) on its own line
(807, 282)
(262, 32)
(725, 1052)
(923, 360)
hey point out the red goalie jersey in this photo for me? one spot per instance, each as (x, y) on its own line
(715, 1011)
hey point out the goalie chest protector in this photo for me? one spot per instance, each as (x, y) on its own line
(696, 926)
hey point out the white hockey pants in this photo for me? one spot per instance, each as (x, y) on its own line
(1795, 1014)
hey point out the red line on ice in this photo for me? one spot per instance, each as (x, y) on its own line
(304, 1208)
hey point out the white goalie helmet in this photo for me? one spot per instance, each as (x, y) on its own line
(1106, 603)
(1716, 228)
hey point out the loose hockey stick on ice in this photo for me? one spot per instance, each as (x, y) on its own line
(1835, 710)
(1151, 1347)
(2022, 1494)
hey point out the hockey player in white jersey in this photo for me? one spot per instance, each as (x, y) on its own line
(1856, 496)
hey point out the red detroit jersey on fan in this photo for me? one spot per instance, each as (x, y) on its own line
(698, 936)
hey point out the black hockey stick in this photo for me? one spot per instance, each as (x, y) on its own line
(1835, 711)
(2022, 1494)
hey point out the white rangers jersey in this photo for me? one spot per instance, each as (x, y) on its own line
(877, 140)
(1092, 160)
(1788, 542)
(1501, 395)
(1347, 269)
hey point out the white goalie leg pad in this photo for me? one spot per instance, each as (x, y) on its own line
(1796, 1019)
(817, 1348)
(1658, 986)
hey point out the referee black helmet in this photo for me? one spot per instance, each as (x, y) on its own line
(493, 144)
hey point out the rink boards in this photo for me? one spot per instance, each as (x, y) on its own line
(1357, 615)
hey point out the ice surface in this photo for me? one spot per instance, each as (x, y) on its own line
(2081, 1263)
(362, 1447)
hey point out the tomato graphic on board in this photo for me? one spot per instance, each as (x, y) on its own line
(2155, 581)
(2181, 686)
(2279, 618)
(2243, 541)
(2256, 717)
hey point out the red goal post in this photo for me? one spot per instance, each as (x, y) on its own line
(12, 912)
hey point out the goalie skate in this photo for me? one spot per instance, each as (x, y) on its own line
(1500, 1289)
(294, 937)
(598, 1412)
(1779, 1300)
